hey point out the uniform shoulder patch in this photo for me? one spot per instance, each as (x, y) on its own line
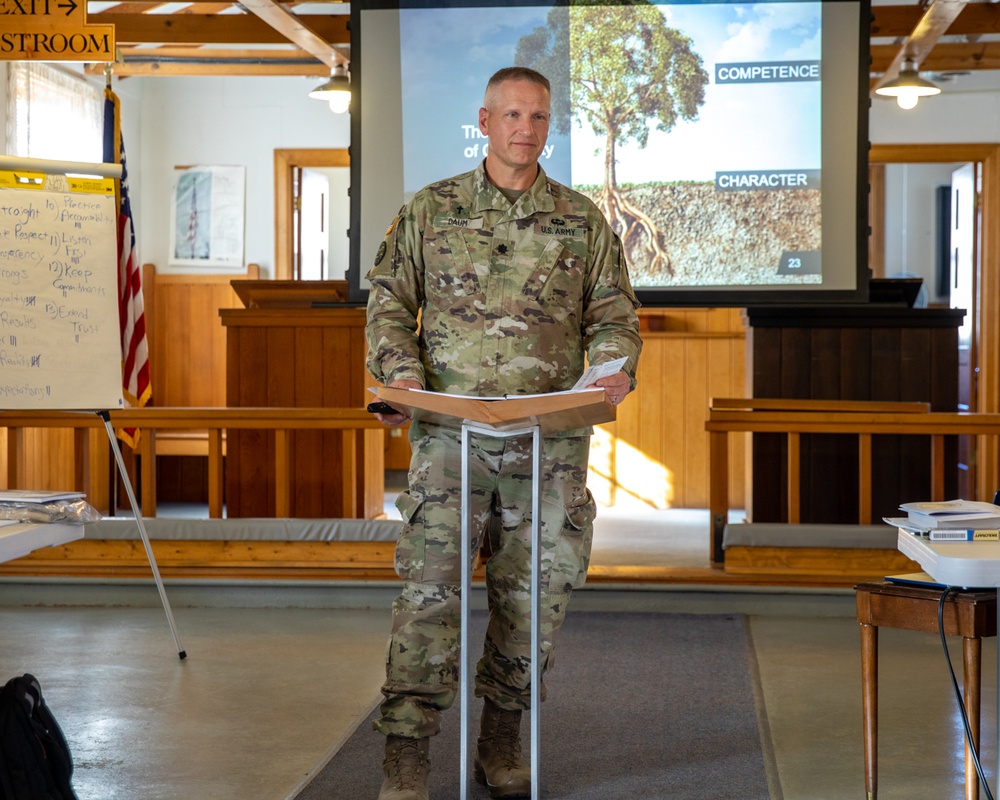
(380, 254)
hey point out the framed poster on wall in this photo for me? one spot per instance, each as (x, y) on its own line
(207, 213)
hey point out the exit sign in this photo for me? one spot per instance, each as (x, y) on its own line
(52, 30)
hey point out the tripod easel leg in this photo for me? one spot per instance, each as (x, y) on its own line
(182, 654)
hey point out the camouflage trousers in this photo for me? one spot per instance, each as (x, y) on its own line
(422, 661)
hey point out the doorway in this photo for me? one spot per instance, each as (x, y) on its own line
(984, 314)
(289, 166)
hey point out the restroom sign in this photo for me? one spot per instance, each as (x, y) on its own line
(52, 30)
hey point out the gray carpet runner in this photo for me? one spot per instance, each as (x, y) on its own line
(640, 705)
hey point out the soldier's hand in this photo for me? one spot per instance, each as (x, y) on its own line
(402, 416)
(615, 387)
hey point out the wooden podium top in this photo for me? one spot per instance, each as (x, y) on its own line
(553, 413)
(290, 294)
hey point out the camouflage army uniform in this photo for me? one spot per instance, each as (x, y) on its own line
(511, 299)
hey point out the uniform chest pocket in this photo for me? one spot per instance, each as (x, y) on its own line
(556, 284)
(449, 269)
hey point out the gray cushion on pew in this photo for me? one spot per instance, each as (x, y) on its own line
(777, 534)
(263, 530)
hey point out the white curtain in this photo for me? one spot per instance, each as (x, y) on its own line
(52, 113)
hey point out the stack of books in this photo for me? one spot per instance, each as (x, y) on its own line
(952, 520)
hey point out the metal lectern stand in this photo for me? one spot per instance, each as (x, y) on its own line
(505, 418)
(469, 428)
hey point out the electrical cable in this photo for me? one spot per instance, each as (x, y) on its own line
(958, 693)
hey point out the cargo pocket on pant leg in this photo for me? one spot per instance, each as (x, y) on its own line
(571, 554)
(409, 554)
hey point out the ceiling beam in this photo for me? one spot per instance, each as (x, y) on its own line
(293, 29)
(172, 60)
(933, 23)
(946, 57)
(899, 21)
(214, 28)
(189, 68)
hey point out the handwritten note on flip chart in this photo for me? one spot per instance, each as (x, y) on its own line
(59, 335)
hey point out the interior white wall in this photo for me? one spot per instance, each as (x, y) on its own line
(962, 113)
(223, 122)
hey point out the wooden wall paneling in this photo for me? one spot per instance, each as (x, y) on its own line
(915, 384)
(824, 455)
(739, 445)
(619, 470)
(855, 384)
(301, 358)
(673, 377)
(719, 379)
(246, 386)
(855, 370)
(187, 341)
(695, 464)
(887, 384)
(318, 451)
(280, 386)
(943, 395)
(899, 347)
(187, 346)
(370, 460)
(49, 459)
(767, 450)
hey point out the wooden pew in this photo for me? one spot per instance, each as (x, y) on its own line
(361, 429)
(860, 419)
(792, 418)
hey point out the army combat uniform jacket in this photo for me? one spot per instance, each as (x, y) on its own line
(511, 298)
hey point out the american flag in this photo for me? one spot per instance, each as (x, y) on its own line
(135, 351)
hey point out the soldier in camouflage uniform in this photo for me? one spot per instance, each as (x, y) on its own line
(515, 280)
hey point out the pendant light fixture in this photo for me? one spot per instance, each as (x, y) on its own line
(908, 87)
(336, 91)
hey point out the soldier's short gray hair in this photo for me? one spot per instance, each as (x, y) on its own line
(514, 74)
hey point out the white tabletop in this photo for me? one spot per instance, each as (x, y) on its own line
(966, 564)
(21, 538)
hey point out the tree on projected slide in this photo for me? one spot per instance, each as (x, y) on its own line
(622, 69)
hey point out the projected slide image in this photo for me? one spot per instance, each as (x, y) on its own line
(695, 127)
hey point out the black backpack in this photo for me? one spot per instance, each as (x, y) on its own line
(35, 763)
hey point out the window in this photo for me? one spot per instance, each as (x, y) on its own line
(52, 113)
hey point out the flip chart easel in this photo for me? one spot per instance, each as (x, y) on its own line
(59, 337)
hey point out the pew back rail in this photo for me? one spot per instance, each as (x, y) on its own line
(792, 418)
(360, 430)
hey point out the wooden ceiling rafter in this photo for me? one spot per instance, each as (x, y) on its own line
(932, 25)
(214, 29)
(295, 30)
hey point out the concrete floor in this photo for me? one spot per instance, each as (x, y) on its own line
(278, 675)
(267, 693)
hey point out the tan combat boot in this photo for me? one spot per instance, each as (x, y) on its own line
(498, 764)
(406, 766)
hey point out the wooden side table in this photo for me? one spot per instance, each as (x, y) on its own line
(969, 614)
